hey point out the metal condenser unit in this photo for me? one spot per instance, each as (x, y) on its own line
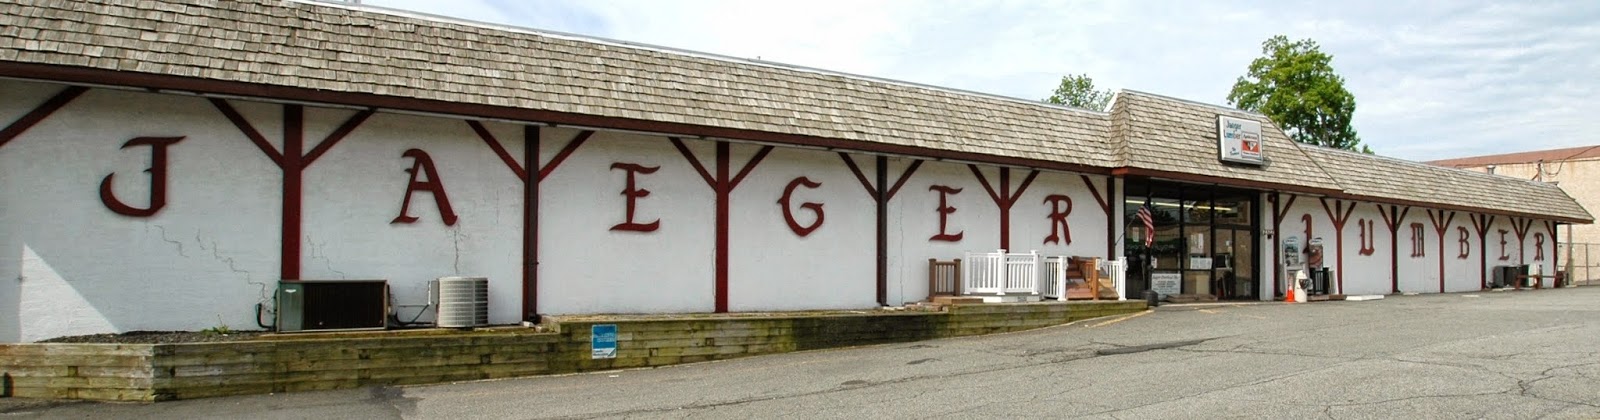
(463, 302)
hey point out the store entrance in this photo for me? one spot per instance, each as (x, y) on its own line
(1205, 240)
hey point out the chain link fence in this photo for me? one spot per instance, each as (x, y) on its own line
(1581, 261)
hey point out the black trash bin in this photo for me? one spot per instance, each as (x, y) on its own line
(1319, 281)
(1152, 298)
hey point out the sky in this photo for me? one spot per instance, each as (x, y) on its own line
(1432, 79)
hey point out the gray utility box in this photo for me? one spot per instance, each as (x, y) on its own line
(322, 305)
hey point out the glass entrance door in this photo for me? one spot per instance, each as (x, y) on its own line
(1233, 266)
(1204, 240)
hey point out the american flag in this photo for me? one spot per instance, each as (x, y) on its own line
(1149, 225)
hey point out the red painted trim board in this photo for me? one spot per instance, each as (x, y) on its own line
(39, 113)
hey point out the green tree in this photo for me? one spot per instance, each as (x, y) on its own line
(1078, 91)
(1295, 85)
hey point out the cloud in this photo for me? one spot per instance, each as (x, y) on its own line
(1432, 79)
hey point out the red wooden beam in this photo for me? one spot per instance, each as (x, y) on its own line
(566, 151)
(494, 145)
(1521, 227)
(1441, 223)
(1481, 224)
(249, 131)
(293, 162)
(1392, 220)
(1004, 197)
(851, 163)
(1339, 214)
(723, 186)
(530, 199)
(881, 198)
(1106, 206)
(904, 176)
(338, 135)
(293, 184)
(39, 113)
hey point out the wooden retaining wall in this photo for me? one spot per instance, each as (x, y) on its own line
(285, 363)
(119, 372)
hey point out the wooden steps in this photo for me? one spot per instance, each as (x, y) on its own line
(1083, 276)
(1080, 291)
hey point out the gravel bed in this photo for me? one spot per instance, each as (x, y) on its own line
(158, 337)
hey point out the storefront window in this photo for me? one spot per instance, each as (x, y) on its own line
(1204, 240)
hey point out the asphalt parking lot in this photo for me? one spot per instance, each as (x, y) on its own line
(1524, 354)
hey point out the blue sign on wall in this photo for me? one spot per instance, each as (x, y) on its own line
(603, 341)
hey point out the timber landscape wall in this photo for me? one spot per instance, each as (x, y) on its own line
(287, 363)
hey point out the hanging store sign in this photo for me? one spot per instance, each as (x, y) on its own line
(1239, 140)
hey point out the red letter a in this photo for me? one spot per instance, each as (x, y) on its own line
(422, 163)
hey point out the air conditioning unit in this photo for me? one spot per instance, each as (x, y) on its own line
(321, 305)
(463, 302)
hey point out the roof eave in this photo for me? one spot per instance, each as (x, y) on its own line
(203, 86)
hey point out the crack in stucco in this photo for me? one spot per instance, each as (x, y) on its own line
(233, 266)
(314, 255)
(216, 253)
(455, 236)
(164, 238)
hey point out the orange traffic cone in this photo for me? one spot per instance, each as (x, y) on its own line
(1289, 297)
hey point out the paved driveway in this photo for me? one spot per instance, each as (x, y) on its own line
(1483, 355)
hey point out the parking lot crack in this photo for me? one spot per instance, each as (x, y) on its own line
(1149, 347)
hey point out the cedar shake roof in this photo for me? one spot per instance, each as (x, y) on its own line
(1167, 134)
(305, 50)
(1552, 155)
(1388, 179)
(360, 51)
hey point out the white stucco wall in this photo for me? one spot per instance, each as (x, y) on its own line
(1366, 274)
(71, 266)
(1461, 273)
(976, 218)
(1030, 215)
(772, 267)
(355, 190)
(1516, 254)
(1294, 225)
(584, 267)
(1418, 274)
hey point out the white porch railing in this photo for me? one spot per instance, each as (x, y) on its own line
(1055, 273)
(1055, 283)
(1001, 273)
(1118, 271)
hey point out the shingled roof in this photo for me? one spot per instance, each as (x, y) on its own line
(400, 58)
(360, 51)
(1552, 155)
(1387, 179)
(1159, 133)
